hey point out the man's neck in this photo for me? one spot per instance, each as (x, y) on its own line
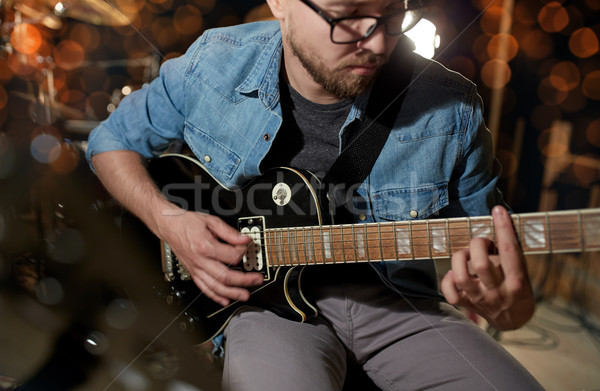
(298, 77)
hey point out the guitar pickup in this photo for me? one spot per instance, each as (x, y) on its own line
(171, 266)
(255, 259)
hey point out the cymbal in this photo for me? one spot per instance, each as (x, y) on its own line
(98, 12)
(35, 15)
(49, 12)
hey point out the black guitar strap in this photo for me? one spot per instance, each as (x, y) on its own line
(357, 158)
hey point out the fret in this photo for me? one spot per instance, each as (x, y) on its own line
(439, 242)
(330, 237)
(469, 229)
(312, 245)
(591, 228)
(429, 243)
(448, 237)
(380, 245)
(355, 246)
(580, 227)
(296, 245)
(412, 242)
(547, 220)
(307, 253)
(342, 241)
(519, 229)
(366, 242)
(269, 248)
(280, 245)
(323, 248)
(395, 238)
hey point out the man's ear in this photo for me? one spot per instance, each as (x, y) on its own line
(276, 7)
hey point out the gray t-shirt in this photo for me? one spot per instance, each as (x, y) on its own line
(309, 138)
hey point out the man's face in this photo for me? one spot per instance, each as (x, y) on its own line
(342, 70)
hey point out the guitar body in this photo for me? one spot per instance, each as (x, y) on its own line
(280, 198)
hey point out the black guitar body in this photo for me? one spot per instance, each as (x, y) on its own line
(280, 198)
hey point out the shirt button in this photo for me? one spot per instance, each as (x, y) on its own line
(267, 137)
(207, 158)
(414, 214)
(362, 217)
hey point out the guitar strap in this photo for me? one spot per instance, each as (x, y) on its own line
(357, 158)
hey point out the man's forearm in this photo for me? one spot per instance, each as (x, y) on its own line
(125, 177)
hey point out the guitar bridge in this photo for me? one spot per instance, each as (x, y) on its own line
(255, 259)
(171, 266)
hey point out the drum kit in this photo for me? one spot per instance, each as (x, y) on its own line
(25, 23)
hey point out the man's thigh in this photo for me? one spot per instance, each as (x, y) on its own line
(266, 352)
(444, 350)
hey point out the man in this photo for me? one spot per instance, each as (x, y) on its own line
(242, 94)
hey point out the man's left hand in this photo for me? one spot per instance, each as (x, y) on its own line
(493, 284)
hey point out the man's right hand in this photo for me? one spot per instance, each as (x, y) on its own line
(207, 246)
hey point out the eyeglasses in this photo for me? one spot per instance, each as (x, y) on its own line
(350, 29)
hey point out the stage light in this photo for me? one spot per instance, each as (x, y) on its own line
(425, 37)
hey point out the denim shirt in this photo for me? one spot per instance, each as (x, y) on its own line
(222, 99)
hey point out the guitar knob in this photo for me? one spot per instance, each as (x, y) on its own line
(188, 324)
(173, 298)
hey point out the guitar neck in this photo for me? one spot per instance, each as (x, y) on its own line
(539, 233)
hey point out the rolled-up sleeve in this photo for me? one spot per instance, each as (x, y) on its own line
(147, 120)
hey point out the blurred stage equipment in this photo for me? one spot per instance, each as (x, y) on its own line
(49, 12)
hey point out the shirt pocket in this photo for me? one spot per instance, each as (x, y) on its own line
(414, 203)
(215, 156)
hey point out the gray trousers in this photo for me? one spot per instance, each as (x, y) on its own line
(401, 343)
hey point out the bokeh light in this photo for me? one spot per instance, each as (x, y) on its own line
(592, 133)
(553, 142)
(45, 148)
(26, 38)
(85, 35)
(584, 42)
(188, 20)
(553, 17)
(5, 72)
(3, 97)
(503, 46)
(591, 85)
(69, 54)
(491, 19)
(548, 94)
(495, 73)
(536, 44)
(565, 76)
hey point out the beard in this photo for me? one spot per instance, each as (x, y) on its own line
(338, 81)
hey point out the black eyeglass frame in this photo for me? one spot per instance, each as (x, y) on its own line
(410, 5)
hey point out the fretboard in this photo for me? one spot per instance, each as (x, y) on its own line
(539, 233)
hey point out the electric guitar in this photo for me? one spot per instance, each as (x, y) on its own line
(281, 212)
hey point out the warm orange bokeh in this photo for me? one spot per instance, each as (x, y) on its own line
(495, 73)
(26, 38)
(591, 85)
(592, 133)
(3, 97)
(188, 20)
(553, 17)
(69, 55)
(584, 42)
(503, 46)
(565, 76)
